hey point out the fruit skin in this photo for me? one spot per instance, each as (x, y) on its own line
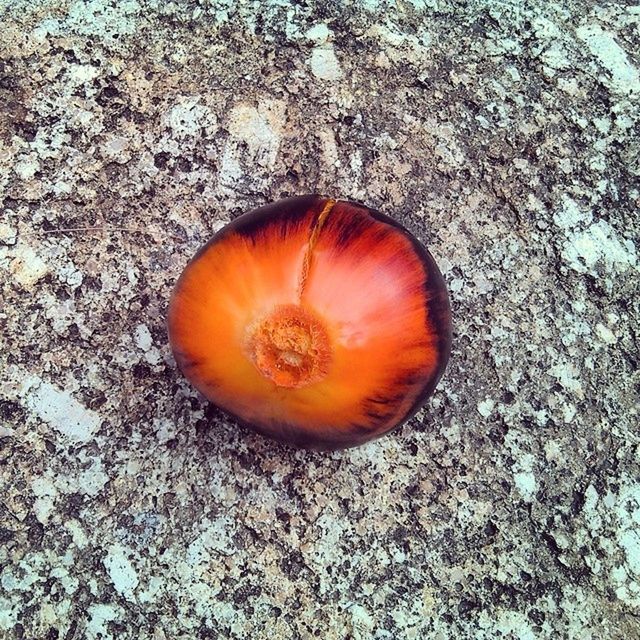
(286, 222)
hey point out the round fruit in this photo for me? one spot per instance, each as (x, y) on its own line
(319, 322)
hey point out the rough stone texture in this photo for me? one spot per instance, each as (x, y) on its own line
(506, 138)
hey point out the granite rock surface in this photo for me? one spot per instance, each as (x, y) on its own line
(504, 135)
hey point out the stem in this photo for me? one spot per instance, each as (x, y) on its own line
(311, 244)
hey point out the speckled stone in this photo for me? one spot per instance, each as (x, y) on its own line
(505, 137)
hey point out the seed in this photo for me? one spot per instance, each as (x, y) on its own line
(319, 322)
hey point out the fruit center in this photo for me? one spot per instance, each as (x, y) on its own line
(290, 346)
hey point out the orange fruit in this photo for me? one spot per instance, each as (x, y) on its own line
(319, 322)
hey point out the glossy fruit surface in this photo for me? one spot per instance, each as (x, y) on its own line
(315, 321)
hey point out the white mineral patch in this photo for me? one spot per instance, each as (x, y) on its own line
(142, 337)
(5, 432)
(61, 411)
(165, 429)
(605, 334)
(525, 483)
(326, 549)
(188, 117)
(329, 146)
(8, 615)
(555, 57)
(216, 537)
(77, 532)
(567, 375)
(27, 266)
(26, 167)
(629, 540)
(569, 412)
(590, 509)
(361, 621)
(144, 341)
(93, 18)
(115, 148)
(598, 244)
(69, 273)
(25, 575)
(627, 509)
(82, 73)
(260, 128)
(553, 451)
(324, 64)
(524, 477)
(230, 170)
(46, 493)
(7, 233)
(400, 46)
(485, 407)
(69, 583)
(624, 77)
(603, 125)
(100, 616)
(319, 33)
(387, 36)
(514, 624)
(92, 480)
(155, 586)
(121, 571)
(569, 214)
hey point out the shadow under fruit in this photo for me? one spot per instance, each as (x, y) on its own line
(319, 322)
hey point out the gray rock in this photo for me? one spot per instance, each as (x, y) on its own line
(504, 137)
